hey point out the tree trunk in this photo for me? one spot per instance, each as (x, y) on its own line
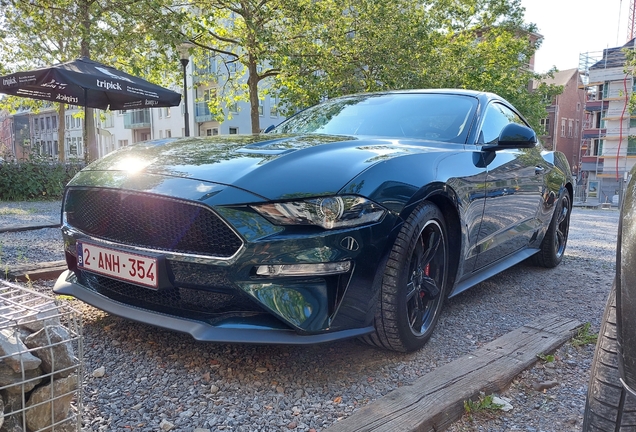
(90, 143)
(61, 128)
(252, 84)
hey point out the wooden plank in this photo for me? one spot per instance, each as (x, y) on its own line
(17, 228)
(36, 271)
(436, 400)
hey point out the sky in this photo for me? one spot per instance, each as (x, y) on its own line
(574, 27)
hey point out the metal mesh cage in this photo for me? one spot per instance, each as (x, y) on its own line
(41, 356)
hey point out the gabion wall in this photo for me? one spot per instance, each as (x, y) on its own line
(40, 362)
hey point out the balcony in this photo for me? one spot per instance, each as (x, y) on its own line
(596, 105)
(137, 119)
(592, 163)
(202, 112)
(594, 133)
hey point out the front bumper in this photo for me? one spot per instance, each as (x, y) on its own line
(236, 332)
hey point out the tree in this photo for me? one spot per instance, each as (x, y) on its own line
(367, 46)
(38, 33)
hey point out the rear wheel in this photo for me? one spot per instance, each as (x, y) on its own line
(414, 283)
(609, 407)
(556, 237)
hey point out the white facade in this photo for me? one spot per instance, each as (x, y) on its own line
(609, 146)
(122, 128)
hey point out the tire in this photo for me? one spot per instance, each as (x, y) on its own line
(608, 407)
(556, 237)
(413, 284)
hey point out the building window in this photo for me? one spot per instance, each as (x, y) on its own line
(212, 132)
(168, 133)
(576, 129)
(68, 122)
(35, 124)
(545, 124)
(605, 89)
(233, 131)
(122, 143)
(260, 107)
(166, 112)
(233, 107)
(570, 128)
(563, 127)
(273, 109)
(631, 146)
(54, 122)
(597, 149)
(632, 122)
(578, 106)
(42, 123)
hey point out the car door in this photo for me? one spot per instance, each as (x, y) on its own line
(514, 184)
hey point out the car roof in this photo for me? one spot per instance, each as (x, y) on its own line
(481, 95)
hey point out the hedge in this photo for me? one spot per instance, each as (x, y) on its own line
(35, 179)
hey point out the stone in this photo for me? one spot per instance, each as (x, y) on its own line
(201, 430)
(214, 389)
(15, 353)
(165, 425)
(504, 403)
(12, 424)
(544, 385)
(99, 372)
(8, 377)
(41, 407)
(47, 315)
(55, 350)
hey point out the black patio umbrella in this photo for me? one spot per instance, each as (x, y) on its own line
(87, 83)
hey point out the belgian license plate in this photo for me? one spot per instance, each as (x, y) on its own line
(135, 268)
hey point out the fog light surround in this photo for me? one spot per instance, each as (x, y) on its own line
(316, 269)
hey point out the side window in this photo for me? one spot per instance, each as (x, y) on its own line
(497, 116)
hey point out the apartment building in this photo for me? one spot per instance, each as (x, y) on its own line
(609, 135)
(566, 115)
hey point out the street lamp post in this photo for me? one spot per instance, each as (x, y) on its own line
(184, 52)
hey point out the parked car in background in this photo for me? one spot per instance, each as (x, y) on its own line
(353, 218)
(611, 397)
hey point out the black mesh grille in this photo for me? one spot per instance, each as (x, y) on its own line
(150, 221)
(183, 302)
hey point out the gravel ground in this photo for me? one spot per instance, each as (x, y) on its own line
(154, 377)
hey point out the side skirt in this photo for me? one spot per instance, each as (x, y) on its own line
(492, 270)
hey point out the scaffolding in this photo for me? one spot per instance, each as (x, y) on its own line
(605, 144)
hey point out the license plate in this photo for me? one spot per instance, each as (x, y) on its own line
(135, 268)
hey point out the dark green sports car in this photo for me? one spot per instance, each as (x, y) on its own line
(353, 218)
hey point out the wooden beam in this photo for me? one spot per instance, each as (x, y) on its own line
(436, 400)
(17, 228)
(34, 271)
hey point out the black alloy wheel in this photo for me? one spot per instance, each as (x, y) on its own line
(556, 237)
(426, 277)
(413, 285)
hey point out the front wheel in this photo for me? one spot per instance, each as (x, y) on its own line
(556, 237)
(414, 282)
(608, 406)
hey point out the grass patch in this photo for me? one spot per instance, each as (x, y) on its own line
(584, 336)
(548, 358)
(481, 405)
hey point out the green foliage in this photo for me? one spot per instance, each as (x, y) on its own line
(548, 358)
(484, 403)
(34, 179)
(584, 336)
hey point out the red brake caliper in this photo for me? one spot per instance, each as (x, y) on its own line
(427, 271)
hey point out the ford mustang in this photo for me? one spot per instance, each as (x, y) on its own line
(356, 217)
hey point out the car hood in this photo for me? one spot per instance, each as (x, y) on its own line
(271, 166)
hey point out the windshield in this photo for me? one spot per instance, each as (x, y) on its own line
(441, 117)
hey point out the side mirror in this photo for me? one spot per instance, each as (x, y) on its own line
(514, 136)
(269, 128)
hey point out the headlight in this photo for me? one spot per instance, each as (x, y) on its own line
(327, 212)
